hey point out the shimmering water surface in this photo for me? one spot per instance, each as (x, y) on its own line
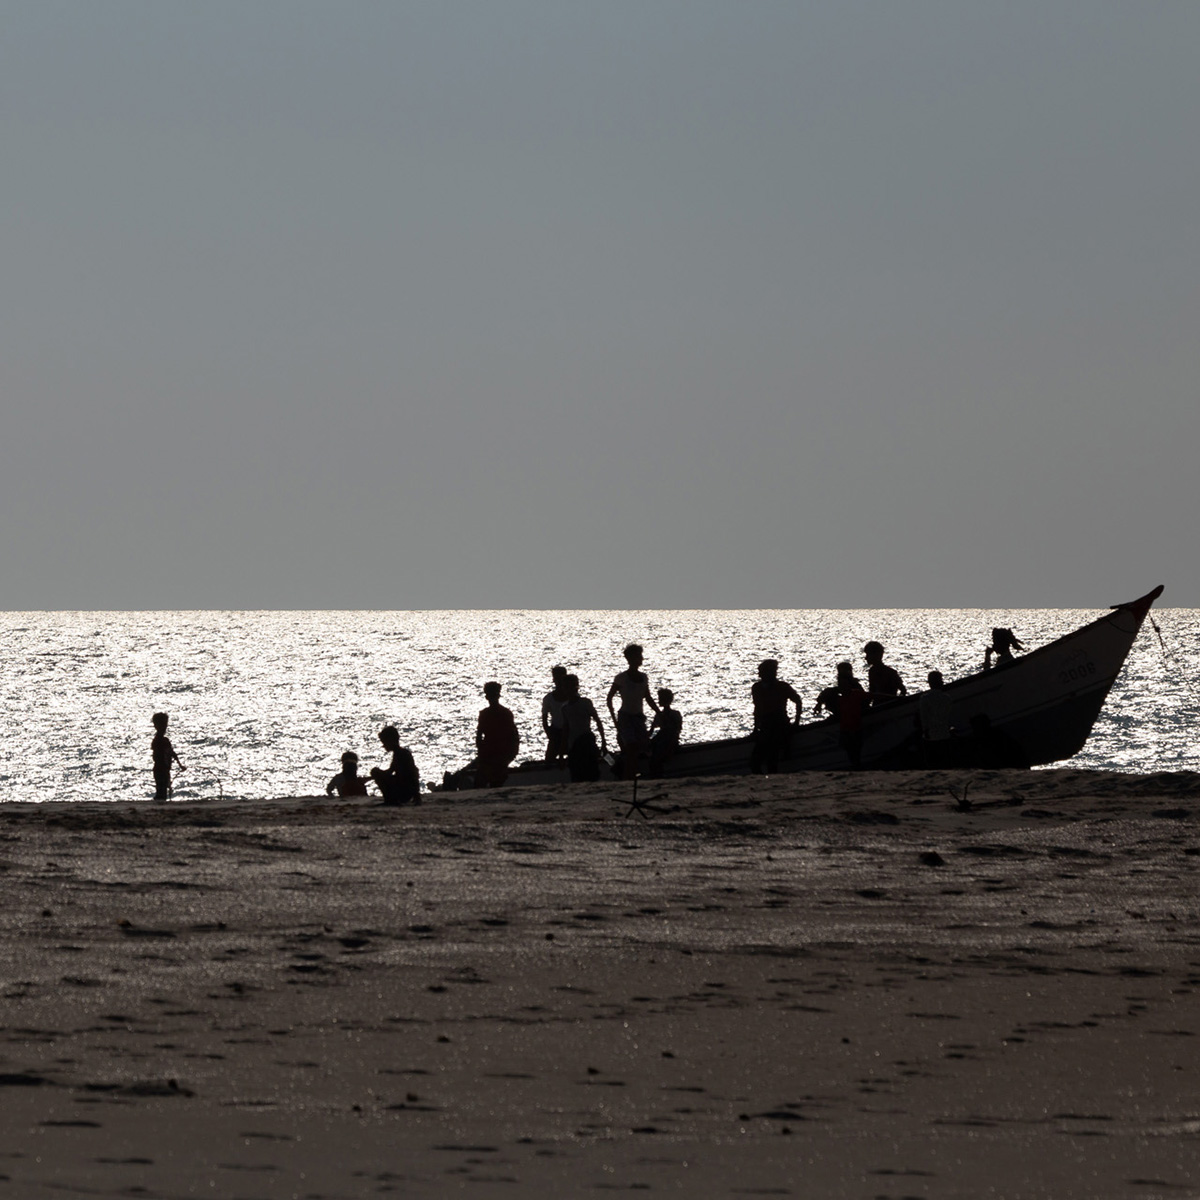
(263, 703)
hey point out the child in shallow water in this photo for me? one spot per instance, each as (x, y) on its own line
(163, 754)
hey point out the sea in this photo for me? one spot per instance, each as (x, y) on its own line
(262, 704)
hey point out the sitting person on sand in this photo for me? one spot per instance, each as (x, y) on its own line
(348, 782)
(665, 731)
(496, 740)
(399, 782)
(579, 715)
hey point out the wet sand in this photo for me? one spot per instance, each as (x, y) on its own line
(818, 985)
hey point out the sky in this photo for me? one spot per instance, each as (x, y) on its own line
(620, 304)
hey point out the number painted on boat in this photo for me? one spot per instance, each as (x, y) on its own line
(1077, 673)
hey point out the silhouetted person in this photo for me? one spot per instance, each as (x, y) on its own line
(348, 782)
(398, 782)
(1004, 642)
(552, 718)
(163, 754)
(847, 701)
(883, 682)
(992, 749)
(583, 753)
(496, 740)
(935, 717)
(772, 726)
(634, 689)
(665, 731)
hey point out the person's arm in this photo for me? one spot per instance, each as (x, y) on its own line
(612, 691)
(600, 726)
(546, 716)
(329, 787)
(649, 699)
(479, 733)
(794, 697)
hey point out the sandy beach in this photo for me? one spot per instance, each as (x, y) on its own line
(819, 985)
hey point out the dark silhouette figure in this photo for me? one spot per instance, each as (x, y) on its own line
(883, 682)
(634, 689)
(496, 740)
(772, 726)
(583, 753)
(1004, 642)
(665, 731)
(992, 749)
(163, 754)
(552, 718)
(846, 702)
(935, 720)
(348, 782)
(399, 782)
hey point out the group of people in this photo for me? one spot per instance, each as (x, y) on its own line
(568, 721)
(576, 737)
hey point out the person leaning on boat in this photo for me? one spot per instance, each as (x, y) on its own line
(846, 702)
(935, 718)
(772, 726)
(579, 715)
(883, 682)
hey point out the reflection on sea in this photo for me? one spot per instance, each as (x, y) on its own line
(263, 703)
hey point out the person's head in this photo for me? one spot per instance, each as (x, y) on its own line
(845, 670)
(558, 673)
(492, 691)
(873, 653)
(159, 721)
(350, 762)
(571, 684)
(768, 668)
(389, 735)
(665, 696)
(633, 655)
(936, 682)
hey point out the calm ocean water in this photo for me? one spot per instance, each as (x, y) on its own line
(263, 703)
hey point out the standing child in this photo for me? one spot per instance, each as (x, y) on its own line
(163, 754)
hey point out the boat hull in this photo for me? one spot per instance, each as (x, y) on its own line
(1042, 706)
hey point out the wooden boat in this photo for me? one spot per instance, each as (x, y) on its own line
(1040, 708)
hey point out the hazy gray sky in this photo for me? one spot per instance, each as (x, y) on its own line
(613, 304)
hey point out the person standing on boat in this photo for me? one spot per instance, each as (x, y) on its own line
(935, 716)
(772, 726)
(633, 687)
(552, 718)
(1004, 642)
(579, 715)
(883, 682)
(496, 740)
